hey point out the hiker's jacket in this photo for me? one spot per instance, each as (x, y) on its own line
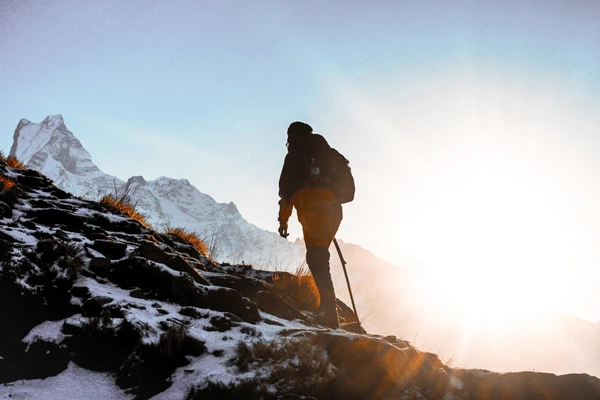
(319, 212)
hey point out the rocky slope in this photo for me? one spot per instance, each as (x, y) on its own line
(86, 290)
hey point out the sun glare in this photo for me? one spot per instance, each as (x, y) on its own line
(494, 240)
(490, 193)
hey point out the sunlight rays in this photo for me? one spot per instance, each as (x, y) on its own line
(491, 189)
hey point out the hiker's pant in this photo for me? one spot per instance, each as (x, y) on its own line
(320, 215)
(317, 259)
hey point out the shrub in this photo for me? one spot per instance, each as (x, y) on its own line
(123, 205)
(189, 237)
(298, 288)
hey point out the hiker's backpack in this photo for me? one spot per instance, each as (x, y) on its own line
(327, 167)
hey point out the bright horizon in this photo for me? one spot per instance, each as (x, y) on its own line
(472, 128)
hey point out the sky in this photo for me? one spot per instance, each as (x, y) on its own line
(472, 127)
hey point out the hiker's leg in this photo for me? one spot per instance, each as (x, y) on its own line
(317, 259)
(320, 217)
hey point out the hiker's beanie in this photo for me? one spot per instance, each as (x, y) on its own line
(298, 127)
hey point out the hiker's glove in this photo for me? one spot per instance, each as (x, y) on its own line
(283, 227)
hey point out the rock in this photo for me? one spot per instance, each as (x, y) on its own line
(138, 294)
(5, 210)
(369, 367)
(274, 304)
(100, 266)
(95, 305)
(152, 252)
(56, 217)
(82, 292)
(62, 235)
(71, 327)
(221, 324)
(110, 249)
(528, 385)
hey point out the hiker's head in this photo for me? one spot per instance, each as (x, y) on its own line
(299, 128)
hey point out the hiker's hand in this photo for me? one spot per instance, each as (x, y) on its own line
(283, 227)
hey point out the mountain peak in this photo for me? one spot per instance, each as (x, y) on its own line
(53, 121)
(30, 138)
(51, 148)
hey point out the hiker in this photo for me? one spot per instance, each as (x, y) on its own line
(318, 209)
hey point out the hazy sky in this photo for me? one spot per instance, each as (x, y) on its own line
(473, 127)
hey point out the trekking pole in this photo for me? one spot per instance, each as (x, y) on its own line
(337, 247)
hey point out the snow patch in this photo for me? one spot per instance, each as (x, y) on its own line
(47, 331)
(72, 383)
(456, 383)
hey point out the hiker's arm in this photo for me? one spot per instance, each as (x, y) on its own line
(285, 210)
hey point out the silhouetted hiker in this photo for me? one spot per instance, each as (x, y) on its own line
(305, 184)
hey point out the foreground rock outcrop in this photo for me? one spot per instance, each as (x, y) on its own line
(81, 285)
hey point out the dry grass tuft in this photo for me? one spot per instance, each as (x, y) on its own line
(123, 205)
(189, 237)
(11, 161)
(6, 184)
(9, 191)
(298, 288)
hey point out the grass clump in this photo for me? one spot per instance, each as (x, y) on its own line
(103, 346)
(8, 190)
(123, 205)
(10, 161)
(6, 184)
(146, 371)
(72, 258)
(297, 288)
(288, 365)
(189, 237)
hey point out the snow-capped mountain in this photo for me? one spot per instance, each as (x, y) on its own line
(177, 203)
(51, 148)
